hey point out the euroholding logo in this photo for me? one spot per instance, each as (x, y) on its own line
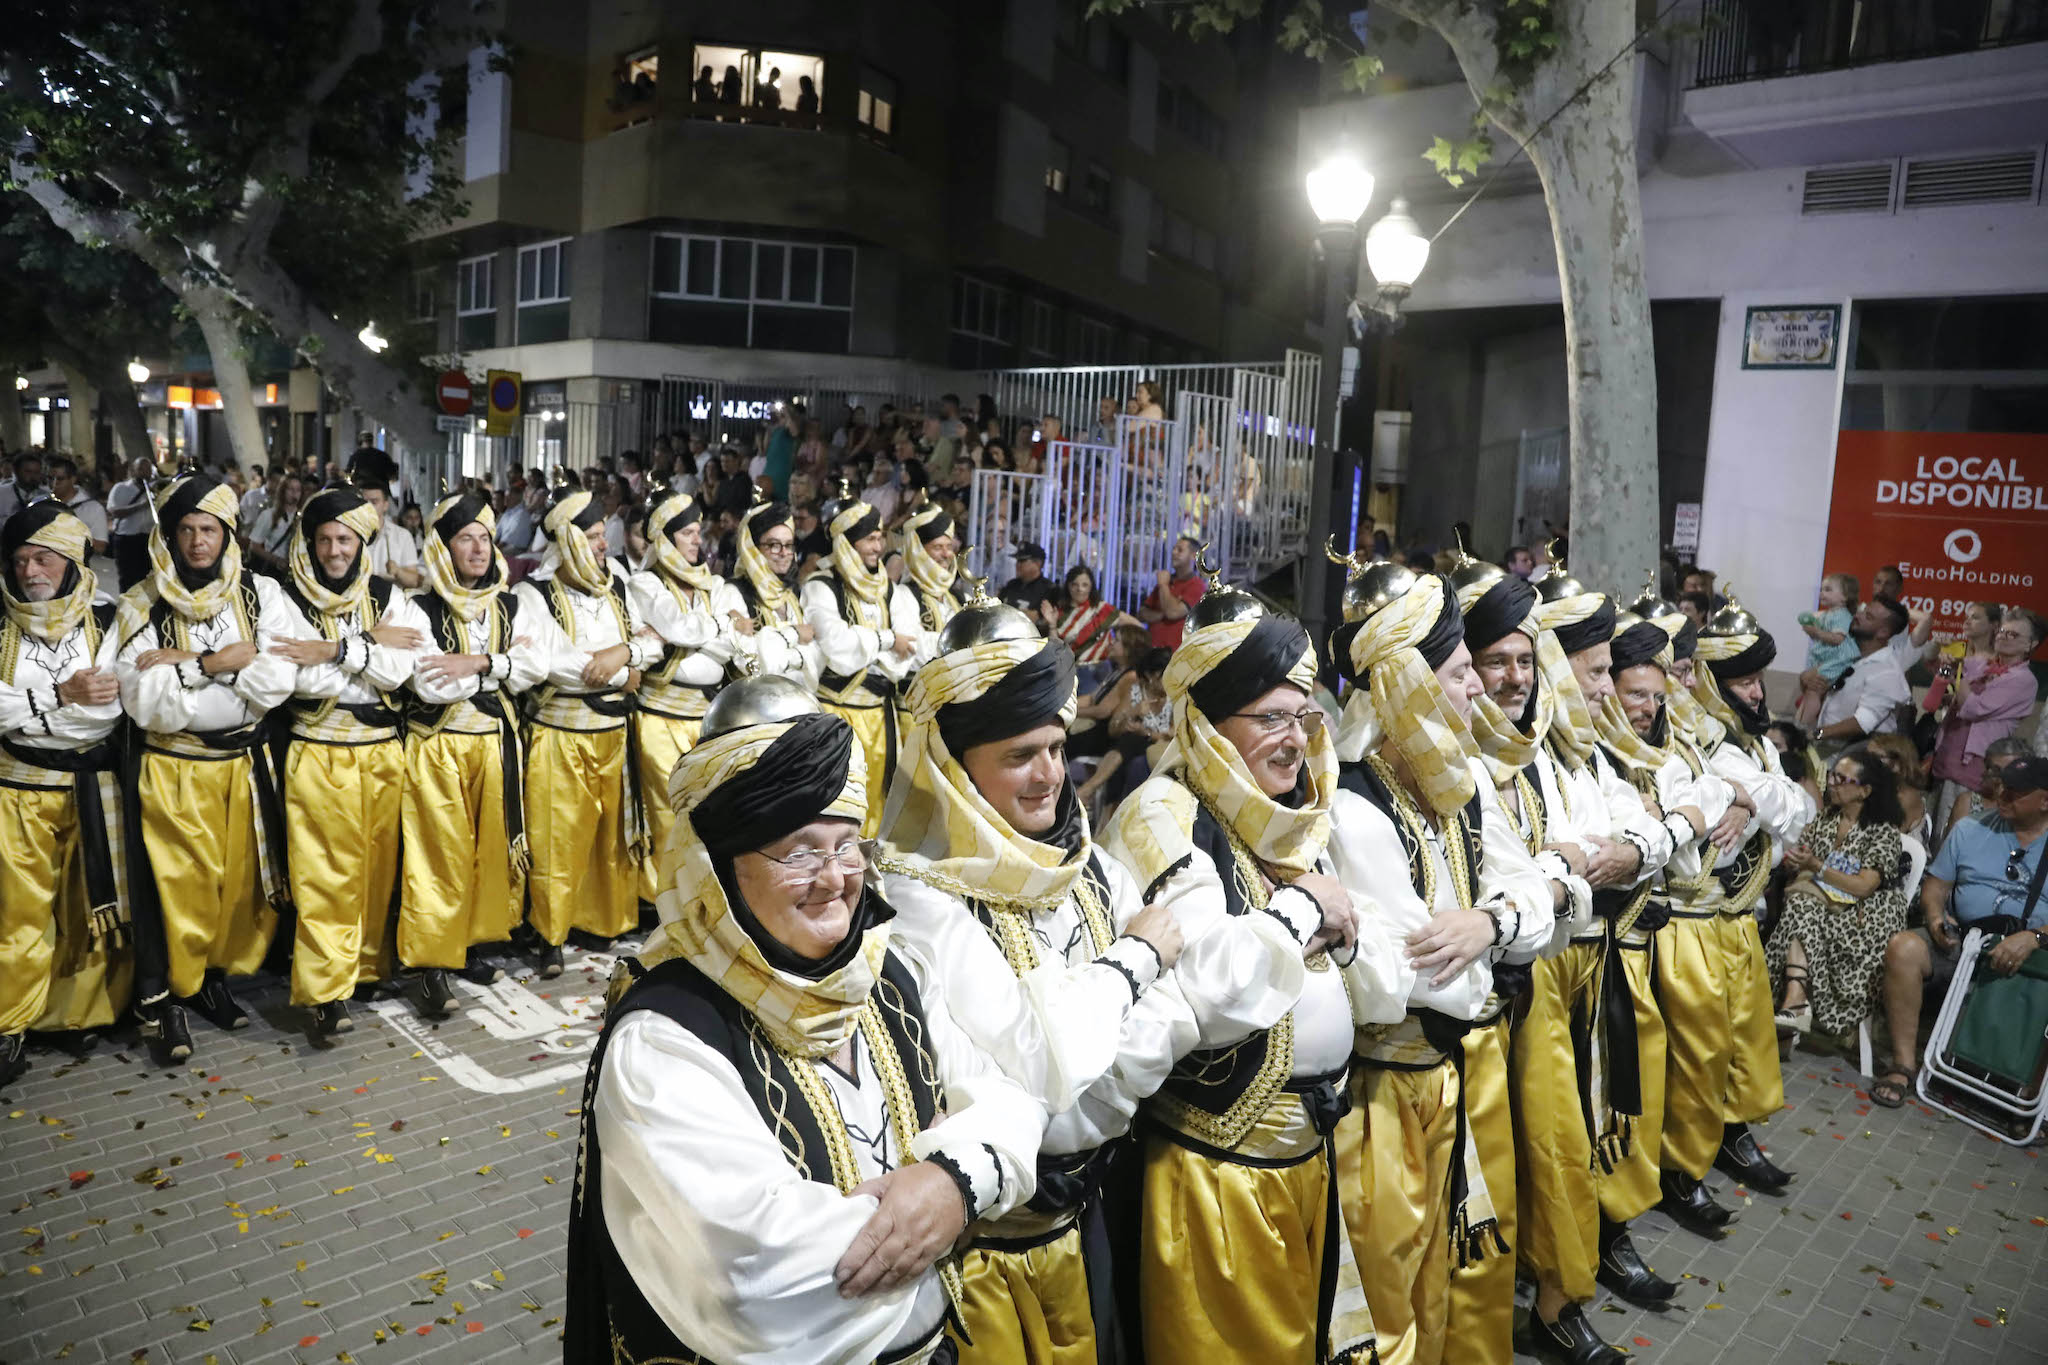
(1963, 545)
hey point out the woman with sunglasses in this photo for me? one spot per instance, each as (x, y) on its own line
(1844, 903)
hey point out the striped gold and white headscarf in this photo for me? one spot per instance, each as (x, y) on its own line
(856, 520)
(672, 514)
(1504, 746)
(451, 514)
(52, 526)
(1738, 656)
(352, 510)
(806, 1016)
(961, 844)
(1635, 643)
(1287, 840)
(215, 592)
(933, 579)
(1572, 722)
(1402, 700)
(772, 595)
(569, 555)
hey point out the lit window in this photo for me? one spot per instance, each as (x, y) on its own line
(877, 112)
(473, 293)
(758, 85)
(1059, 157)
(541, 277)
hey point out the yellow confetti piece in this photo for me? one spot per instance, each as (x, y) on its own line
(199, 1325)
(35, 1270)
(66, 1349)
(444, 1142)
(504, 1131)
(385, 1158)
(300, 1266)
(530, 1306)
(309, 1303)
(377, 1334)
(484, 1170)
(343, 1189)
(242, 1226)
(298, 1162)
(345, 1358)
(1954, 1231)
(553, 1134)
(549, 1179)
(263, 1327)
(328, 1088)
(286, 1246)
(266, 1303)
(199, 1114)
(498, 1276)
(22, 1114)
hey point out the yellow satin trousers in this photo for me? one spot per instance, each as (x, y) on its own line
(200, 830)
(663, 740)
(872, 728)
(1028, 1307)
(1756, 1082)
(52, 978)
(1558, 1210)
(1632, 1188)
(341, 811)
(583, 877)
(1482, 1310)
(1694, 990)
(1231, 1262)
(458, 886)
(1393, 1181)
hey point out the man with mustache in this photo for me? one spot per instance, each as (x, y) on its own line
(1050, 960)
(344, 760)
(64, 967)
(1229, 833)
(198, 679)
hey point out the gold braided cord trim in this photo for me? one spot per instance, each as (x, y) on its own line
(817, 1096)
(786, 1133)
(1633, 911)
(902, 1110)
(623, 1356)
(1228, 1129)
(1094, 913)
(1453, 839)
(921, 871)
(1532, 811)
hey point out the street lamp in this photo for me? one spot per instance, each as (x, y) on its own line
(21, 383)
(368, 336)
(1395, 252)
(138, 373)
(1339, 190)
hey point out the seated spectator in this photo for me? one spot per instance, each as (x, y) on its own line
(1030, 590)
(1982, 879)
(1982, 804)
(1865, 700)
(1844, 904)
(1909, 770)
(1831, 650)
(1143, 719)
(1796, 756)
(1165, 608)
(1986, 703)
(1086, 622)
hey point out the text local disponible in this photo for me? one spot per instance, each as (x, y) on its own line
(1965, 482)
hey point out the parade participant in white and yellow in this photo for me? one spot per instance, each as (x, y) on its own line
(1045, 952)
(692, 609)
(1236, 1258)
(929, 544)
(867, 639)
(64, 961)
(465, 854)
(773, 627)
(197, 679)
(584, 818)
(1621, 1085)
(343, 768)
(1727, 682)
(783, 1135)
(1427, 1176)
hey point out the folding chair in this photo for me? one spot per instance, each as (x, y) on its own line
(1987, 1053)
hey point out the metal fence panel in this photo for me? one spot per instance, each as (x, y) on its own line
(1152, 453)
(1005, 511)
(1216, 481)
(1082, 486)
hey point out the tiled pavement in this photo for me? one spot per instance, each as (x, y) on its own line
(404, 1193)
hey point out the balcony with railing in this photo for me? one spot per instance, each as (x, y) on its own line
(1814, 82)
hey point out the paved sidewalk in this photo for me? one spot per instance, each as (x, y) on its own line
(405, 1193)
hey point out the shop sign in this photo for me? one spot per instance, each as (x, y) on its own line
(1791, 337)
(1963, 514)
(734, 409)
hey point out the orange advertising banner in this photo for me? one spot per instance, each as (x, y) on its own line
(1963, 514)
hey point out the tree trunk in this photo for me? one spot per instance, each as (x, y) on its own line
(216, 314)
(124, 415)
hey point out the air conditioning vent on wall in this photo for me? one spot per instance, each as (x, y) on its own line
(2006, 177)
(1849, 189)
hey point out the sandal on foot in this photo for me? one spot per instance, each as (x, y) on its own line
(1892, 1093)
(1800, 1019)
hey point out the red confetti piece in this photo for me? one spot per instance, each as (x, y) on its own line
(1981, 1322)
(362, 1090)
(472, 1327)
(2010, 1247)
(1841, 1137)
(232, 1156)
(275, 1156)
(1741, 1193)
(1846, 1215)
(1934, 1237)
(1642, 1341)
(309, 1341)
(526, 1232)
(80, 1179)
(422, 1331)
(1979, 1185)
(213, 1080)
(1886, 1281)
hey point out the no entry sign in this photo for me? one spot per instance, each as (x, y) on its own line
(452, 392)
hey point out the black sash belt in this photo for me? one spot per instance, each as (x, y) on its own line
(95, 850)
(510, 762)
(1326, 1098)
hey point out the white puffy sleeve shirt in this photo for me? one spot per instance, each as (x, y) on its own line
(1368, 855)
(170, 697)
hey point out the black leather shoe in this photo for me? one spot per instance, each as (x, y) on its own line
(332, 1018)
(482, 972)
(1687, 1203)
(433, 992)
(548, 961)
(13, 1057)
(1623, 1272)
(1572, 1339)
(165, 1030)
(1741, 1159)
(217, 1007)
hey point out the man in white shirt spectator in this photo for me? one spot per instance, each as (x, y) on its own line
(1866, 699)
(1910, 643)
(23, 489)
(128, 505)
(260, 491)
(519, 529)
(883, 492)
(64, 488)
(394, 554)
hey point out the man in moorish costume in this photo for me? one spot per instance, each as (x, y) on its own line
(344, 761)
(1729, 725)
(1427, 1175)
(198, 679)
(1570, 1109)
(772, 629)
(692, 610)
(64, 965)
(867, 639)
(929, 544)
(1049, 959)
(585, 821)
(782, 1136)
(1235, 1253)
(465, 850)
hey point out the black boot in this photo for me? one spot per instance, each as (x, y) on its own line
(548, 961)
(216, 1006)
(13, 1057)
(1742, 1160)
(165, 1030)
(1687, 1203)
(433, 992)
(482, 971)
(1624, 1273)
(332, 1018)
(1572, 1339)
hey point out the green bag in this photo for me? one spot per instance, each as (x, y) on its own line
(2004, 1026)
